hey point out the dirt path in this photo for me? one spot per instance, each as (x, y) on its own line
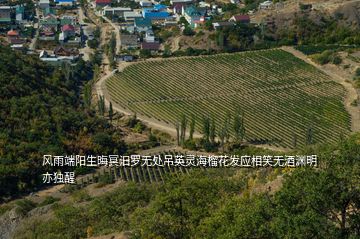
(341, 79)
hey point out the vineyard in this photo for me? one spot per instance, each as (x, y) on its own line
(138, 174)
(281, 96)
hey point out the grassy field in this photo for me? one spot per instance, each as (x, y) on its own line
(281, 96)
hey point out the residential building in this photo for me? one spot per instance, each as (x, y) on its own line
(44, 4)
(5, 14)
(149, 36)
(68, 30)
(65, 3)
(131, 16)
(142, 24)
(266, 5)
(157, 12)
(181, 1)
(68, 20)
(126, 58)
(19, 11)
(55, 60)
(128, 41)
(244, 19)
(145, 3)
(63, 51)
(115, 11)
(49, 11)
(220, 25)
(152, 46)
(194, 15)
(102, 3)
(14, 37)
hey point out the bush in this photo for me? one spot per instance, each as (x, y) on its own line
(337, 60)
(81, 196)
(188, 31)
(139, 127)
(105, 179)
(48, 200)
(357, 72)
(24, 206)
(93, 43)
(190, 144)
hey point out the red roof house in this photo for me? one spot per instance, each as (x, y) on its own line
(240, 18)
(68, 28)
(12, 33)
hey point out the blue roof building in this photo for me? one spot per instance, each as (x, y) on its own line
(157, 12)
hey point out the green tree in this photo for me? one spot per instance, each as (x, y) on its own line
(111, 111)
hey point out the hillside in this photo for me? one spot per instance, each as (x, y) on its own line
(41, 113)
(280, 96)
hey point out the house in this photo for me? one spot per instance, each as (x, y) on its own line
(44, 4)
(181, 1)
(19, 11)
(126, 58)
(115, 11)
(220, 25)
(14, 38)
(149, 36)
(131, 16)
(157, 12)
(152, 46)
(5, 14)
(194, 15)
(62, 51)
(68, 20)
(145, 3)
(142, 24)
(235, 1)
(244, 19)
(63, 3)
(49, 11)
(177, 8)
(49, 21)
(128, 41)
(68, 30)
(102, 3)
(265, 5)
(55, 60)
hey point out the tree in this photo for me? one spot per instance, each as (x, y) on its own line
(309, 136)
(145, 53)
(101, 105)
(188, 31)
(183, 125)
(177, 127)
(111, 112)
(206, 129)
(222, 135)
(212, 134)
(192, 127)
(239, 126)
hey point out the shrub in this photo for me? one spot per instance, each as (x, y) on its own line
(48, 200)
(188, 31)
(105, 179)
(24, 206)
(81, 196)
